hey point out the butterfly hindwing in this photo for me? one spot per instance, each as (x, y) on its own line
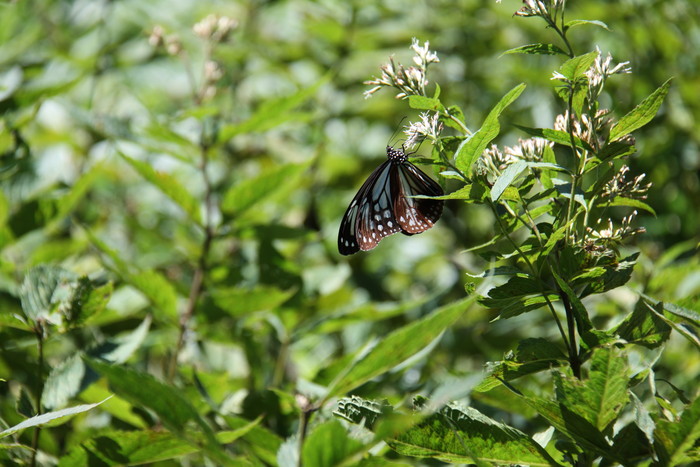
(384, 205)
(415, 215)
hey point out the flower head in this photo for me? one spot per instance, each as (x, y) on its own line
(429, 127)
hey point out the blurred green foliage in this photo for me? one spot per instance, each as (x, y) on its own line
(103, 137)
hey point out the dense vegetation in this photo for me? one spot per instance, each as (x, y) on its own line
(174, 175)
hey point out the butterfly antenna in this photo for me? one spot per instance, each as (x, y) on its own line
(396, 131)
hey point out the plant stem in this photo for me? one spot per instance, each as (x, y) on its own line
(574, 360)
(550, 305)
(198, 278)
(39, 332)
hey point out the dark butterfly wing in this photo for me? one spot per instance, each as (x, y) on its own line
(369, 217)
(415, 215)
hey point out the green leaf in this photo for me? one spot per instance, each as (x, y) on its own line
(170, 187)
(55, 418)
(571, 424)
(536, 49)
(519, 295)
(506, 179)
(472, 148)
(114, 448)
(361, 411)
(398, 346)
(600, 397)
(239, 301)
(425, 103)
(575, 68)
(329, 444)
(168, 403)
(606, 277)
(644, 328)
(473, 192)
(464, 435)
(640, 115)
(578, 22)
(457, 113)
(251, 191)
(43, 289)
(677, 438)
(158, 290)
(272, 113)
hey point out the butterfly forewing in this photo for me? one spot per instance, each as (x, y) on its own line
(383, 205)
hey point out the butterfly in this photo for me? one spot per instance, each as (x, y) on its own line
(384, 206)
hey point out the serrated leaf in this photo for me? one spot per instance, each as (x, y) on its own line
(575, 68)
(170, 187)
(398, 346)
(329, 444)
(643, 328)
(238, 300)
(571, 424)
(536, 49)
(603, 394)
(471, 148)
(506, 179)
(464, 435)
(44, 288)
(425, 103)
(677, 438)
(248, 193)
(641, 114)
(606, 277)
(578, 22)
(55, 418)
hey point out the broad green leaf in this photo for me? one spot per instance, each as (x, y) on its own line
(425, 103)
(472, 148)
(643, 328)
(601, 396)
(519, 295)
(464, 435)
(606, 277)
(330, 444)
(248, 193)
(168, 403)
(272, 113)
(640, 115)
(77, 192)
(263, 442)
(54, 418)
(577, 22)
(361, 411)
(170, 187)
(457, 113)
(115, 448)
(691, 336)
(473, 192)
(536, 49)
(398, 346)
(631, 202)
(677, 438)
(506, 179)
(575, 68)
(239, 301)
(571, 424)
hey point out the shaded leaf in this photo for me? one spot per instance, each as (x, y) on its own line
(239, 300)
(677, 438)
(398, 346)
(55, 418)
(329, 444)
(472, 148)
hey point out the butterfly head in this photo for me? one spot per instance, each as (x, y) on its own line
(397, 155)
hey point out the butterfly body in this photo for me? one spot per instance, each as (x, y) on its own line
(384, 205)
